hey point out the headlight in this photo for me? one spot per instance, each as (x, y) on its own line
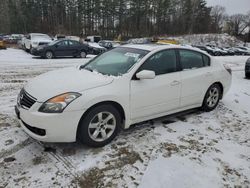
(34, 43)
(59, 103)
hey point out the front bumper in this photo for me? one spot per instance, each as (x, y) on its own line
(56, 127)
(36, 52)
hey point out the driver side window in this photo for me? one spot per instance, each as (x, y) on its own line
(162, 62)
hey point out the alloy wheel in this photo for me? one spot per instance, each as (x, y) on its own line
(83, 54)
(49, 55)
(102, 126)
(213, 97)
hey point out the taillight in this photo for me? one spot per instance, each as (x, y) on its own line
(228, 69)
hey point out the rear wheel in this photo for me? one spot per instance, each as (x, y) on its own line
(100, 126)
(212, 98)
(48, 55)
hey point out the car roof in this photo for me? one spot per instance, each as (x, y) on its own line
(148, 47)
(37, 34)
(153, 47)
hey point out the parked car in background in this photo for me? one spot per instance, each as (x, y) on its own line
(2, 43)
(219, 51)
(15, 38)
(58, 37)
(22, 42)
(246, 50)
(6, 38)
(33, 40)
(94, 38)
(95, 48)
(247, 68)
(108, 44)
(228, 51)
(240, 51)
(75, 38)
(207, 49)
(61, 48)
(124, 86)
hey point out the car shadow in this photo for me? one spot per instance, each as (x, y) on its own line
(180, 116)
(68, 149)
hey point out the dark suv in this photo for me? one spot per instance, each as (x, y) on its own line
(247, 68)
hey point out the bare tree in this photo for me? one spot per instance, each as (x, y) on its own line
(218, 14)
(4, 17)
(236, 24)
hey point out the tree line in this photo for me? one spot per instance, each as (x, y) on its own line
(111, 18)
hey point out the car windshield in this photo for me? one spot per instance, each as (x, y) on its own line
(116, 62)
(54, 42)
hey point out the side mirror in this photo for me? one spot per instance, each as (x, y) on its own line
(145, 74)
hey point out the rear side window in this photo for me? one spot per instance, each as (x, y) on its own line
(71, 43)
(191, 59)
(161, 63)
(206, 60)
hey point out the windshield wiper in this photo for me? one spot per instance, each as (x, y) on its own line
(88, 68)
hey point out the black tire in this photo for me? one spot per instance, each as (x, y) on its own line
(84, 134)
(209, 105)
(247, 74)
(83, 54)
(26, 49)
(31, 48)
(49, 55)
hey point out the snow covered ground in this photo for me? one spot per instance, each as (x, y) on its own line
(195, 149)
(221, 40)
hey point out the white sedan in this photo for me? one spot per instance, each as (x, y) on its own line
(124, 86)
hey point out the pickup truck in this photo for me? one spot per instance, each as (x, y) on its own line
(33, 40)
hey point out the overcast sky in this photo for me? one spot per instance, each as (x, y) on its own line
(232, 6)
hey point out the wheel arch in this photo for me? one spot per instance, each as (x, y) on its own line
(108, 102)
(221, 87)
(49, 50)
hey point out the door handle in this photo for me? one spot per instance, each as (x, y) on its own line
(174, 83)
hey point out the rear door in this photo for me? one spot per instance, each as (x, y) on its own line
(196, 76)
(159, 95)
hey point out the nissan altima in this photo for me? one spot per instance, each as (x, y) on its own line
(124, 86)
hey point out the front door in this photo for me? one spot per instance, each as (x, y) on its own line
(62, 48)
(159, 95)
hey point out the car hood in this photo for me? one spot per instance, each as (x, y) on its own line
(64, 80)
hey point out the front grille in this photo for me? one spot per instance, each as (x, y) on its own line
(26, 100)
(40, 132)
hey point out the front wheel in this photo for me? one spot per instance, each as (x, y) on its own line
(100, 126)
(212, 98)
(48, 55)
